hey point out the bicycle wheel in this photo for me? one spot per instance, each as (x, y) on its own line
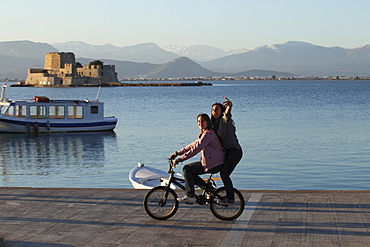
(161, 203)
(227, 212)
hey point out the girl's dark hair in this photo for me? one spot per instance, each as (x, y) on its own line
(221, 106)
(207, 119)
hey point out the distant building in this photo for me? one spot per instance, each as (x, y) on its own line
(60, 68)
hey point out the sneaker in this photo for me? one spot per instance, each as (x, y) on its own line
(187, 199)
(226, 201)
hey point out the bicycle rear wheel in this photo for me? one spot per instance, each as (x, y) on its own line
(161, 203)
(227, 212)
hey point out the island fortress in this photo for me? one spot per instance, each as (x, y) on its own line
(61, 68)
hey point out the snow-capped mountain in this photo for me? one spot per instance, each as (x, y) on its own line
(297, 57)
(200, 53)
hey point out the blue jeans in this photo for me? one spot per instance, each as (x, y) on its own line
(191, 174)
(232, 158)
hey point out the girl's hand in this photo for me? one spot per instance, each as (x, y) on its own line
(173, 156)
(227, 102)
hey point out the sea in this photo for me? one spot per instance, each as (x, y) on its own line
(295, 135)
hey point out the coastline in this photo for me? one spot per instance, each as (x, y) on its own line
(119, 84)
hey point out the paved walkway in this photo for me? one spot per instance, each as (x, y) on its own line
(115, 217)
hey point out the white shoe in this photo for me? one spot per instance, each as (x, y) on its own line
(187, 199)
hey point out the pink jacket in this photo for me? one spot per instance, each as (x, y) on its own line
(210, 146)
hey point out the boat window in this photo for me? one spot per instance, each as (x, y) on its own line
(37, 111)
(3, 109)
(75, 111)
(94, 109)
(20, 111)
(56, 111)
(10, 111)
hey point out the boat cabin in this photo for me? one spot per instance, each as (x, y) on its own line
(43, 108)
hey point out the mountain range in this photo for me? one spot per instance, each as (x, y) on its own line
(293, 58)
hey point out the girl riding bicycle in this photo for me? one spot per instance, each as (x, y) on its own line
(212, 158)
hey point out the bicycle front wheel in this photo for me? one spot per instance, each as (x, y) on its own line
(161, 203)
(227, 212)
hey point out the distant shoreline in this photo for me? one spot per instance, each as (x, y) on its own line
(182, 82)
(119, 84)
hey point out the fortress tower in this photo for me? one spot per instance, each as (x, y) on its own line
(57, 60)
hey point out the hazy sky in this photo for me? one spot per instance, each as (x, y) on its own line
(226, 24)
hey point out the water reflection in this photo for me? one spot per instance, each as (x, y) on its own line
(71, 154)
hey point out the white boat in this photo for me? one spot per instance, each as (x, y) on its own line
(42, 114)
(145, 177)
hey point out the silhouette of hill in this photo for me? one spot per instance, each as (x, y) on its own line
(180, 67)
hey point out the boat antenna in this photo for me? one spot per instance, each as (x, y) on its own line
(97, 96)
(4, 96)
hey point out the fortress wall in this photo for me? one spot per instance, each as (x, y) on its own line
(69, 69)
(110, 74)
(41, 79)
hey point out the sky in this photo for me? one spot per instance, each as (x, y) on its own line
(225, 24)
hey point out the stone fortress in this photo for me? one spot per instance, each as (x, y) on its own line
(61, 69)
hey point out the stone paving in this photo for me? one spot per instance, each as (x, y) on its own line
(115, 217)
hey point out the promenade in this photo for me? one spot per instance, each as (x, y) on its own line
(115, 217)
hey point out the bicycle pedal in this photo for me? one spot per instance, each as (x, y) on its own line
(189, 203)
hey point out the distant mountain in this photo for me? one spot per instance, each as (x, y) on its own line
(16, 57)
(300, 58)
(148, 52)
(25, 49)
(179, 68)
(17, 67)
(200, 53)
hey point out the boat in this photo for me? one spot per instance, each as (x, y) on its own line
(43, 115)
(145, 177)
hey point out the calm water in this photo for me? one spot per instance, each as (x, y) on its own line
(295, 135)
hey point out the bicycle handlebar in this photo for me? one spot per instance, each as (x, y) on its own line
(170, 162)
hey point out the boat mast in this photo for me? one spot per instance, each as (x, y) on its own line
(97, 95)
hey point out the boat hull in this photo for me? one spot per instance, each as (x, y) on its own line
(8, 125)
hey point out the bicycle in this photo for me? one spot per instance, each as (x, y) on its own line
(161, 202)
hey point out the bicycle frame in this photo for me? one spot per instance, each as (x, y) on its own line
(177, 181)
